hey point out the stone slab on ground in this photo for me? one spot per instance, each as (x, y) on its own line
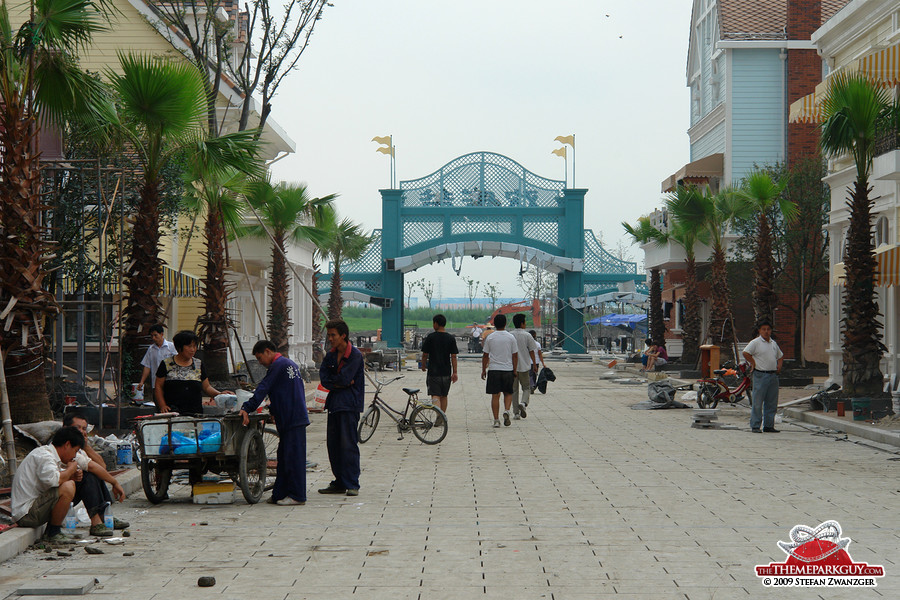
(58, 585)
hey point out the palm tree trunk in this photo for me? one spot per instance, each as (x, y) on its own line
(764, 298)
(862, 347)
(657, 327)
(279, 310)
(143, 278)
(691, 327)
(335, 299)
(318, 349)
(720, 320)
(21, 269)
(213, 330)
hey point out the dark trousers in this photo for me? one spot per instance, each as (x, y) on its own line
(342, 439)
(290, 473)
(93, 492)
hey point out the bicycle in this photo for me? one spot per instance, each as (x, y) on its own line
(426, 421)
(714, 390)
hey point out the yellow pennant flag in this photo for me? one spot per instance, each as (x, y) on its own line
(566, 139)
(385, 139)
(559, 152)
(386, 150)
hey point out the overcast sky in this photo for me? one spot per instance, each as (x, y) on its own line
(508, 76)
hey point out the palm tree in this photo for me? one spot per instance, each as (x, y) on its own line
(344, 241)
(763, 194)
(40, 83)
(713, 215)
(687, 236)
(287, 211)
(852, 109)
(643, 233)
(161, 112)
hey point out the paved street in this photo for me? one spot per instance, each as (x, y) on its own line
(585, 498)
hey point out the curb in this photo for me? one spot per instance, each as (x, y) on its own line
(16, 540)
(857, 429)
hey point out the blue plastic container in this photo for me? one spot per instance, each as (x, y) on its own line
(123, 454)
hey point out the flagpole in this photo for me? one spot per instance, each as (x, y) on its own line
(566, 167)
(392, 161)
(573, 160)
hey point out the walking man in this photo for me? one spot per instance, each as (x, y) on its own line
(159, 350)
(439, 352)
(342, 374)
(287, 404)
(766, 358)
(526, 364)
(498, 368)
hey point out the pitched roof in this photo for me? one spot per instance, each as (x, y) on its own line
(762, 19)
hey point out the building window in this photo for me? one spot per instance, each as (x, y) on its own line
(882, 232)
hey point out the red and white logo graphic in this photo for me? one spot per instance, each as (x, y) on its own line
(818, 558)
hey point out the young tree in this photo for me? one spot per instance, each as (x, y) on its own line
(411, 285)
(687, 236)
(643, 233)
(763, 194)
(852, 108)
(160, 110)
(493, 292)
(471, 289)
(427, 288)
(343, 241)
(287, 211)
(40, 83)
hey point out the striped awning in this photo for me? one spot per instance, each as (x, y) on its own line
(807, 109)
(884, 65)
(182, 284)
(887, 268)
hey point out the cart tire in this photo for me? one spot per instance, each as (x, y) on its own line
(368, 423)
(429, 424)
(706, 397)
(155, 480)
(252, 466)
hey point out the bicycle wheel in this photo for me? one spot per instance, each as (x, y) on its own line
(252, 467)
(155, 480)
(368, 423)
(270, 442)
(429, 424)
(706, 397)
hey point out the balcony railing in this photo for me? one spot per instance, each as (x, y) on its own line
(887, 137)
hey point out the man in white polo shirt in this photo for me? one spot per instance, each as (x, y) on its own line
(158, 351)
(498, 367)
(766, 357)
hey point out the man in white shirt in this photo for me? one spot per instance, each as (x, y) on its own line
(766, 358)
(50, 479)
(526, 363)
(476, 337)
(498, 367)
(158, 351)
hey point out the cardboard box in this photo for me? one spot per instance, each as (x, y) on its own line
(207, 492)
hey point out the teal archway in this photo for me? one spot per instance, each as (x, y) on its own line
(484, 204)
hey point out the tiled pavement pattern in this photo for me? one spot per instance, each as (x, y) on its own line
(583, 499)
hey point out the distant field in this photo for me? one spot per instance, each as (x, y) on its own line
(370, 324)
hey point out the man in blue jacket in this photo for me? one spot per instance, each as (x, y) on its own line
(342, 375)
(287, 403)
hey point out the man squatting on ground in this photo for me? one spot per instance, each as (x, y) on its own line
(287, 404)
(56, 475)
(439, 352)
(342, 375)
(498, 367)
(526, 364)
(766, 357)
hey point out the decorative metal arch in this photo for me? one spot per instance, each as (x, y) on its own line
(483, 204)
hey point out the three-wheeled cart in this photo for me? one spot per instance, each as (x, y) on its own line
(217, 444)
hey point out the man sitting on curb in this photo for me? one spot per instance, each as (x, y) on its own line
(54, 476)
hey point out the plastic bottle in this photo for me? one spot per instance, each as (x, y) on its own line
(70, 522)
(108, 517)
